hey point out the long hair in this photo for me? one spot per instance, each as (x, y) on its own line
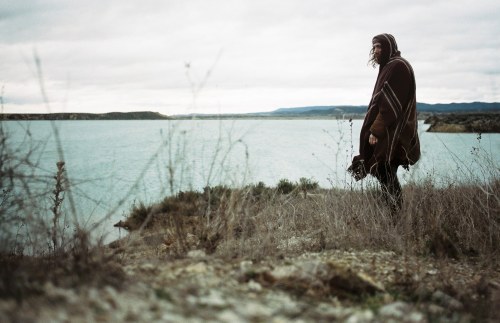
(371, 58)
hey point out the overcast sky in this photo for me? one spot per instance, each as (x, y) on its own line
(231, 56)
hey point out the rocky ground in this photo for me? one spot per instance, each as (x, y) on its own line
(326, 286)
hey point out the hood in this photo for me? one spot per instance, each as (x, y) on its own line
(389, 47)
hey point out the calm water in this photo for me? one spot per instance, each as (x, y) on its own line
(116, 163)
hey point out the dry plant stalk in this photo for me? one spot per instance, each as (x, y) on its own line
(58, 198)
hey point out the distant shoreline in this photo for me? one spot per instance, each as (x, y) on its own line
(139, 115)
(146, 115)
(452, 122)
(124, 117)
(331, 112)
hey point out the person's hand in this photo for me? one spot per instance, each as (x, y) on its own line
(372, 140)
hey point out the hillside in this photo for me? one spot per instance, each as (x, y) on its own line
(350, 111)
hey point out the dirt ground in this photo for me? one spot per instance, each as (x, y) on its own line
(325, 286)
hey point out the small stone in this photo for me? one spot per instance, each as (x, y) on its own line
(198, 268)
(254, 286)
(432, 272)
(230, 317)
(129, 270)
(213, 299)
(416, 317)
(283, 272)
(196, 254)
(148, 267)
(395, 310)
(246, 265)
(447, 301)
(170, 317)
(400, 311)
(255, 311)
(361, 317)
(281, 319)
(335, 313)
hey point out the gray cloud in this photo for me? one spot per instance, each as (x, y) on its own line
(258, 55)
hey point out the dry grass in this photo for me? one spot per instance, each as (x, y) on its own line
(258, 221)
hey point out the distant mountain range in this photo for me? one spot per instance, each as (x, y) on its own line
(459, 107)
(330, 111)
(353, 111)
(421, 107)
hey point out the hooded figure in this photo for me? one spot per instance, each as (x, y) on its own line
(389, 136)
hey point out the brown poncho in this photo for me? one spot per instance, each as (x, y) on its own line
(392, 113)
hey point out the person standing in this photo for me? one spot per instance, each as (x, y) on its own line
(389, 137)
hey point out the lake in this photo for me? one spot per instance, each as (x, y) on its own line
(114, 164)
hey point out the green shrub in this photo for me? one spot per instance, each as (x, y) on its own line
(138, 215)
(259, 189)
(306, 184)
(285, 186)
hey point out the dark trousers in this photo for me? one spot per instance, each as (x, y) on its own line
(387, 175)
